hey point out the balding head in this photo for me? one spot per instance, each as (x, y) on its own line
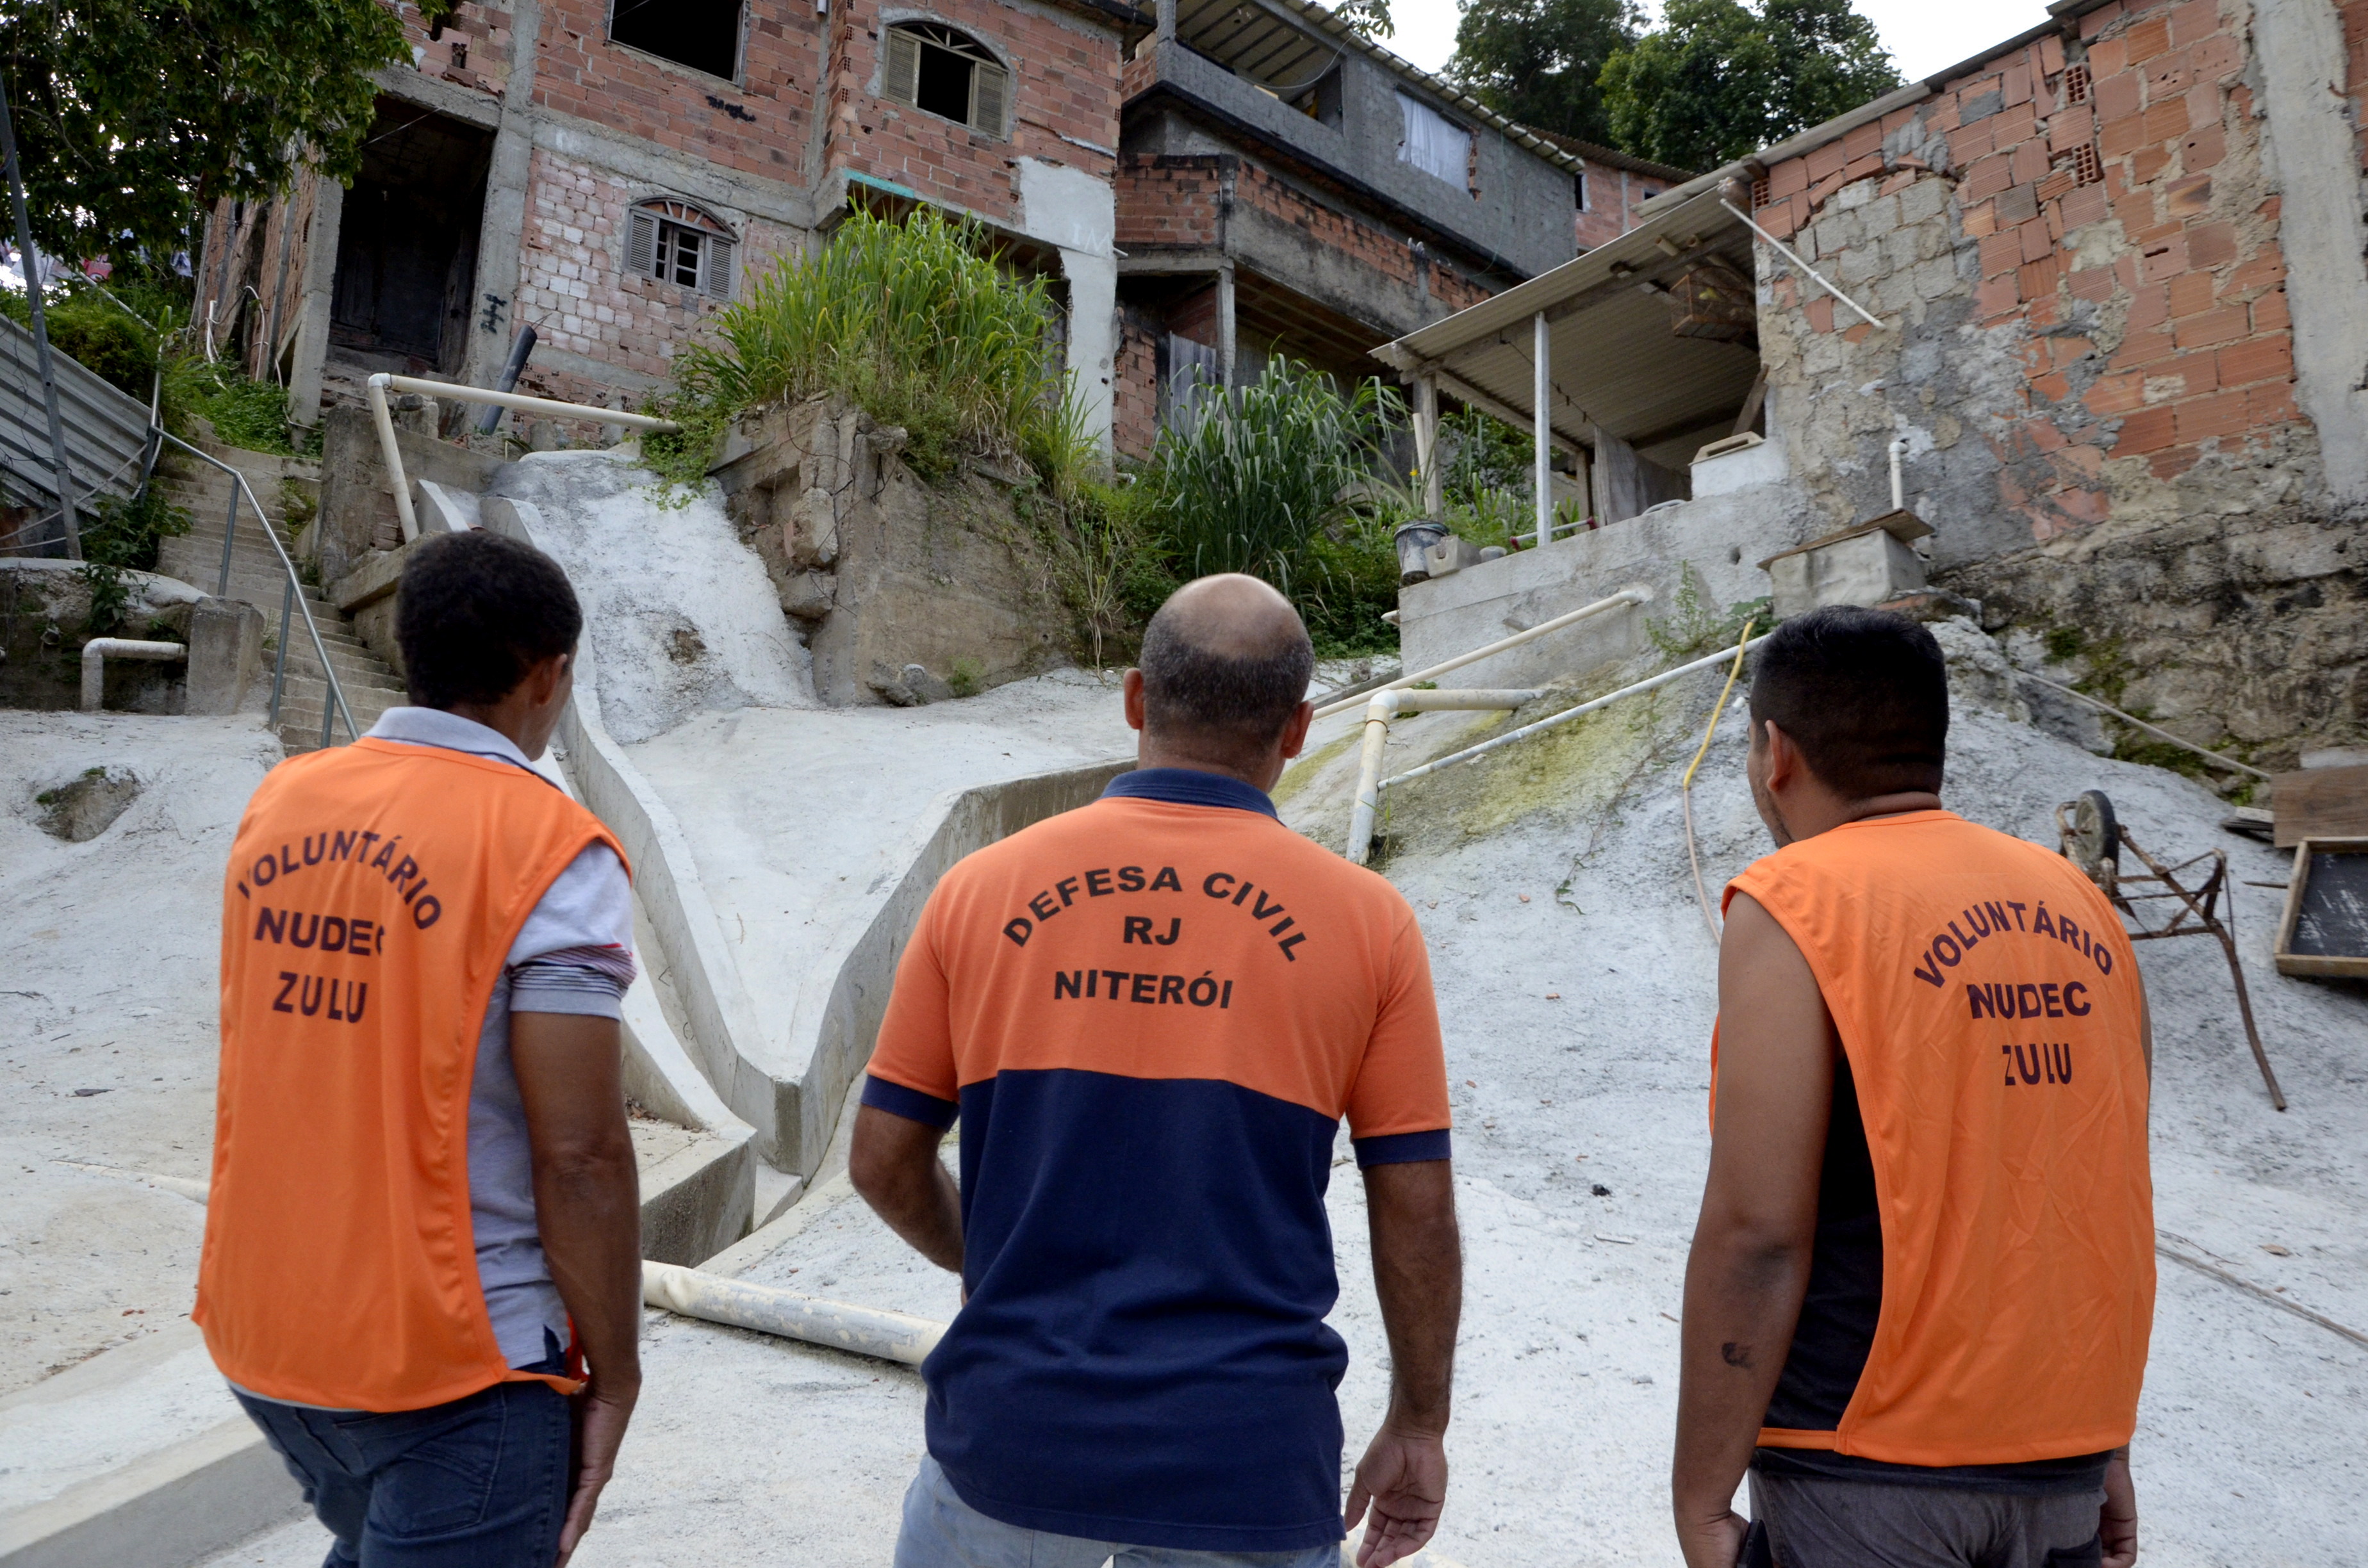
(1226, 665)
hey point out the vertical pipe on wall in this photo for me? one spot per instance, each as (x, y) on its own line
(1426, 447)
(1542, 387)
(1225, 325)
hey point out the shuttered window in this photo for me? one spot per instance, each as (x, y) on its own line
(675, 243)
(945, 73)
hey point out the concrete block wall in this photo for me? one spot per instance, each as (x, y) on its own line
(573, 284)
(2079, 249)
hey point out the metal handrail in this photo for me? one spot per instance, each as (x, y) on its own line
(290, 601)
(382, 380)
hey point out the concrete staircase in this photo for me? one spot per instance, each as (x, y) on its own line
(256, 575)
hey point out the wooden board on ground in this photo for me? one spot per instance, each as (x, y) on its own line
(2324, 928)
(2319, 802)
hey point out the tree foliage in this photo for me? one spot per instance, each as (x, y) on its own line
(132, 115)
(1719, 80)
(1367, 18)
(1539, 62)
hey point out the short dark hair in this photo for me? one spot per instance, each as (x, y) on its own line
(474, 611)
(1863, 693)
(1237, 704)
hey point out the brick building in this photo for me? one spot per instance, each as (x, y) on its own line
(1612, 186)
(612, 172)
(2115, 267)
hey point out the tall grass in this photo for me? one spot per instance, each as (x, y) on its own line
(911, 321)
(1249, 483)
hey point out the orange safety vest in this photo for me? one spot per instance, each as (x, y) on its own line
(372, 900)
(1988, 1000)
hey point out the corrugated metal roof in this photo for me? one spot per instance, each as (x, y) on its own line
(1616, 362)
(105, 431)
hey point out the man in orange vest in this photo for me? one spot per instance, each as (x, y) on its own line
(1922, 1282)
(424, 1214)
(1150, 1015)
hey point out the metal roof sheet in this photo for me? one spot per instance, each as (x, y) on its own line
(1616, 363)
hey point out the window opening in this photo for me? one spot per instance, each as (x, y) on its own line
(1434, 144)
(702, 34)
(945, 73)
(675, 243)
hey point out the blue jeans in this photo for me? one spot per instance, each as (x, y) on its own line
(481, 1483)
(942, 1531)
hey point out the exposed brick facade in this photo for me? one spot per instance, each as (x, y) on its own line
(1613, 197)
(2114, 239)
(572, 285)
(1065, 106)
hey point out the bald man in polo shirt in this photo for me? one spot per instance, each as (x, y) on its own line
(1150, 1014)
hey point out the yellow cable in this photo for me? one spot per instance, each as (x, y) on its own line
(1686, 789)
(1741, 643)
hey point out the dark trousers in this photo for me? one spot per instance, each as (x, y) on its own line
(481, 1483)
(1815, 1522)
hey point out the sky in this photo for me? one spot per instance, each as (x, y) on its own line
(1924, 36)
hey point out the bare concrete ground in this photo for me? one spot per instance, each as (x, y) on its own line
(107, 1025)
(2253, 1443)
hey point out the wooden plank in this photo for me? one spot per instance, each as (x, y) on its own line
(2324, 930)
(2319, 802)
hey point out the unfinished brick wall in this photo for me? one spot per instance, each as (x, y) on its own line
(1612, 195)
(2075, 252)
(1065, 101)
(269, 257)
(474, 52)
(2107, 215)
(1134, 386)
(756, 125)
(574, 290)
(1387, 253)
(1171, 201)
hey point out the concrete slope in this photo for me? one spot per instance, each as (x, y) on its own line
(695, 736)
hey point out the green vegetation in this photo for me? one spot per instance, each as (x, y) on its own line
(1539, 62)
(1719, 80)
(910, 320)
(1696, 625)
(129, 326)
(121, 536)
(133, 116)
(1278, 480)
(1714, 81)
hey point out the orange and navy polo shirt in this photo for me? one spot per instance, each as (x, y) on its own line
(1151, 1014)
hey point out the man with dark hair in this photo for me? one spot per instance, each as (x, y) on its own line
(1150, 1015)
(425, 1215)
(1922, 1281)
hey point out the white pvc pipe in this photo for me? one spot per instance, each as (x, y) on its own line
(1542, 425)
(1899, 496)
(1568, 714)
(1379, 710)
(866, 1330)
(379, 384)
(1793, 257)
(393, 453)
(524, 405)
(98, 650)
(1635, 595)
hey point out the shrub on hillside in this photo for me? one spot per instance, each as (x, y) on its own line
(909, 319)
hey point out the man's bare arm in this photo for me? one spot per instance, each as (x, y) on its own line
(893, 1161)
(1418, 1273)
(1749, 1266)
(587, 1206)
